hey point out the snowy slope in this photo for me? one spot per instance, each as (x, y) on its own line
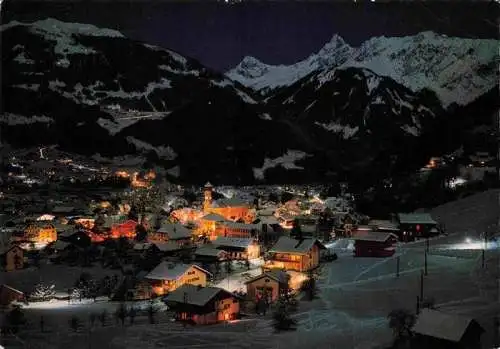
(457, 69)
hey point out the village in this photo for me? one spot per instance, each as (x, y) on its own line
(135, 251)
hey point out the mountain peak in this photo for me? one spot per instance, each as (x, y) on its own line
(250, 61)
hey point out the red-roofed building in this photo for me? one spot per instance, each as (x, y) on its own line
(125, 229)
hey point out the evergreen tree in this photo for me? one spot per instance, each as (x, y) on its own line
(296, 231)
(42, 293)
(281, 317)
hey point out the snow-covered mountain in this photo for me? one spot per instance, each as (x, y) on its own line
(95, 92)
(457, 69)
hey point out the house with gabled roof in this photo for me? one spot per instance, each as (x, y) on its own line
(171, 232)
(438, 330)
(238, 248)
(375, 244)
(210, 254)
(417, 225)
(269, 285)
(167, 276)
(203, 305)
(294, 254)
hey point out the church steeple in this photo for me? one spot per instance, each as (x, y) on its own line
(207, 190)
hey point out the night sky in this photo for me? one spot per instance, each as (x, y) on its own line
(220, 35)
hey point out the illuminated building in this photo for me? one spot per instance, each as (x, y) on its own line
(203, 305)
(167, 277)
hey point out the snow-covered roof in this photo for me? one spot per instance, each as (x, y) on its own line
(437, 324)
(286, 244)
(416, 218)
(268, 211)
(383, 224)
(208, 251)
(194, 295)
(171, 271)
(277, 275)
(63, 209)
(268, 220)
(142, 246)
(233, 242)
(213, 217)
(231, 202)
(244, 226)
(374, 236)
(10, 288)
(175, 231)
(60, 245)
(167, 246)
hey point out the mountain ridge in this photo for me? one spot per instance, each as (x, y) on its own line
(397, 57)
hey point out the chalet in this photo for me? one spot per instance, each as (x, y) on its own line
(434, 329)
(375, 244)
(239, 230)
(417, 225)
(209, 223)
(9, 295)
(12, 258)
(290, 254)
(63, 211)
(40, 231)
(171, 232)
(270, 285)
(168, 248)
(209, 254)
(167, 277)
(203, 305)
(124, 230)
(308, 225)
(238, 248)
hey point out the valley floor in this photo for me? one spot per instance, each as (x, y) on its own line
(355, 296)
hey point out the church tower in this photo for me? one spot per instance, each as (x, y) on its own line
(207, 190)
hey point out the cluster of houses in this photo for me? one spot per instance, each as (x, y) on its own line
(221, 231)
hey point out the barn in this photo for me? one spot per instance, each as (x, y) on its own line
(375, 244)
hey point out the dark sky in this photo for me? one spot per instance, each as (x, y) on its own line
(220, 35)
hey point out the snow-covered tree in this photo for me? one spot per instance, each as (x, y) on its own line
(42, 293)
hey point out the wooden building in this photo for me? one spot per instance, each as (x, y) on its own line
(238, 248)
(203, 305)
(375, 244)
(209, 223)
(9, 294)
(437, 330)
(270, 285)
(209, 254)
(239, 230)
(12, 258)
(417, 225)
(291, 254)
(171, 232)
(124, 230)
(167, 277)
